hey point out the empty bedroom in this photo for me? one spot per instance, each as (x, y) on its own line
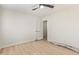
(39, 29)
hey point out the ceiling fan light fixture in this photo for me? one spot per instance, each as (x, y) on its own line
(41, 6)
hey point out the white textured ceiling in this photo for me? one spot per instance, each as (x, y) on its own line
(42, 12)
(27, 8)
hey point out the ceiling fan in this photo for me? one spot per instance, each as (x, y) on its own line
(43, 5)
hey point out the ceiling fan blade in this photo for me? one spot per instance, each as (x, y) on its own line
(35, 8)
(47, 5)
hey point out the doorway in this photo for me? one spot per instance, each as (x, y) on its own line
(45, 30)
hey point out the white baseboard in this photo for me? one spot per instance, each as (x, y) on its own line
(16, 43)
(66, 46)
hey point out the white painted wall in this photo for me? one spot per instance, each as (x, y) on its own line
(1, 40)
(18, 27)
(63, 25)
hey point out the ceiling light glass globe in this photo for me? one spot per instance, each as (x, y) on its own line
(41, 6)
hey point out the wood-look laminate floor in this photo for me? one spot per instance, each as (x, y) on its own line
(41, 47)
